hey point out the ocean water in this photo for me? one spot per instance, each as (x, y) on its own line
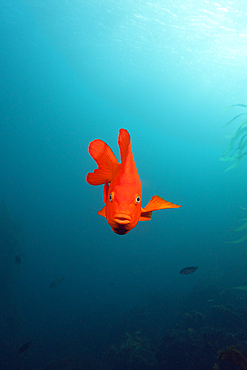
(71, 72)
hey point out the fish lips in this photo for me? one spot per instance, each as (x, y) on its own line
(121, 223)
(122, 218)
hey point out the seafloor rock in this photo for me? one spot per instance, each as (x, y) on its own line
(196, 340)
(226, 317)
(133, 353)
(193, 319)
(72, 363)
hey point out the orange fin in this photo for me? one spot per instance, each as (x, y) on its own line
(106, 161)
(157, 203)
(145, 216)
(123, 142)
(102, 212)
(105, 191)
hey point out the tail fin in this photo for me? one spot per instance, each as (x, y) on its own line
(106, 161)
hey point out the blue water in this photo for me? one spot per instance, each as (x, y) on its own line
(72, 71)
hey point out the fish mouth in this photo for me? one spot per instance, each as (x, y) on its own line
(122, 218)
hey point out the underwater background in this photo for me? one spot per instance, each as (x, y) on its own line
(75, 295)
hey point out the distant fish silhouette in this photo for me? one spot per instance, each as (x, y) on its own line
(18, 259)
(188, 270)
(24, 347)
(56, 282)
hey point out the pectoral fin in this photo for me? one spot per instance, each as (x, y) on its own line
(145, 216)
(155, 204)
(102, 212)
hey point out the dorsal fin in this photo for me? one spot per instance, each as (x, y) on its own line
(123, 142)
(106, 161)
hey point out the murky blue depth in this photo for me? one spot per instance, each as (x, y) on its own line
(84, 297)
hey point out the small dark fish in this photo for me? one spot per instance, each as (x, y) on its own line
(18, 259)
(24, 347)
(188, 270)
(56, 282)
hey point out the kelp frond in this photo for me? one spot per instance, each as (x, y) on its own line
(234, 118)
(241, 228)
(244, 287)
(235, 151)
(239, 240)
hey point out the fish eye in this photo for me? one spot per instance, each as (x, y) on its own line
(138, 199)
(111, 197)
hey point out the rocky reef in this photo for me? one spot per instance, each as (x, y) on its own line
(205, 341)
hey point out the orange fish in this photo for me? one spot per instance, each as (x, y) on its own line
(122, 190)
